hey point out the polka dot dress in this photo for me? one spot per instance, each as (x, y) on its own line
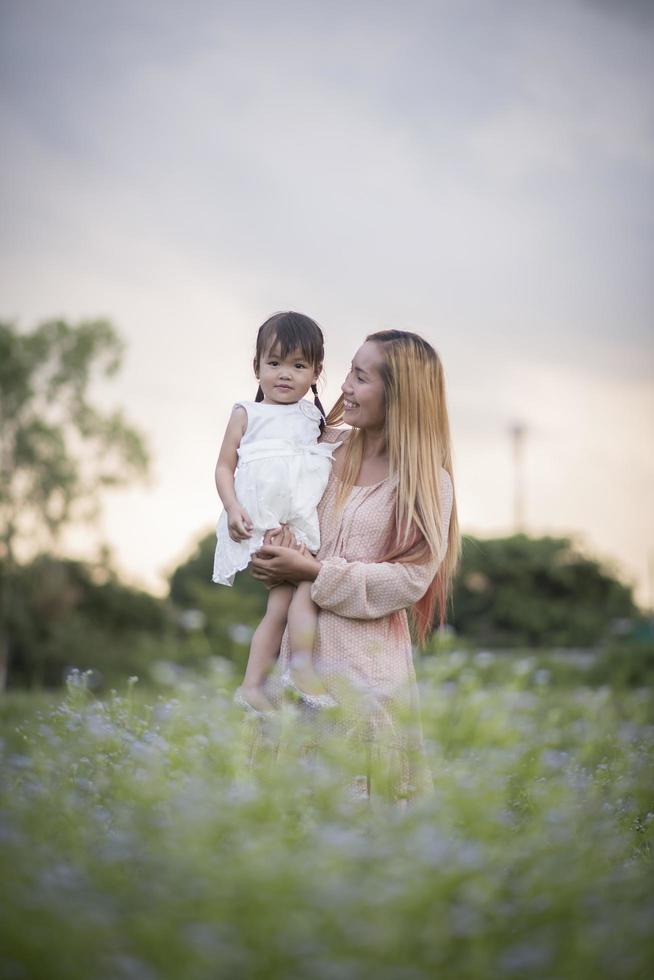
(363, 647)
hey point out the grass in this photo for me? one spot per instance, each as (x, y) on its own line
(137, 841)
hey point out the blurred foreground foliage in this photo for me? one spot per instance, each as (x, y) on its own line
(139, 841)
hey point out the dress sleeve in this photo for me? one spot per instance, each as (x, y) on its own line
(370, 590)
(332, 434)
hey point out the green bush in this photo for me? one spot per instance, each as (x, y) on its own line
(540, 592)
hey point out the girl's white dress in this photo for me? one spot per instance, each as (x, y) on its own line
(281, 475)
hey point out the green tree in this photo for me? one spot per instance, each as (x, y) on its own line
(535, 591)
(57, 449)
(74, 614)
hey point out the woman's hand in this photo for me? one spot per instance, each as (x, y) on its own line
(274, 564)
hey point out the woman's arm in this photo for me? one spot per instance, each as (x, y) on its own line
(274, 564)
(370, 590)
(354, 589)
(238, 520)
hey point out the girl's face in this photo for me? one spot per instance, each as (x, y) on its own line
(285, 380)
(363, 389)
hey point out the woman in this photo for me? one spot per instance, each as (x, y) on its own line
(389, 541)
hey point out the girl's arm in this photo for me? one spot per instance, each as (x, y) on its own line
(238, 519)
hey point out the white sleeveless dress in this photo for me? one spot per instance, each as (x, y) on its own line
(281, 475)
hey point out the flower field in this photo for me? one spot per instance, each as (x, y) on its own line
(137, 840)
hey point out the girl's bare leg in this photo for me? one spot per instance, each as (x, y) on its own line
(302, 622)
(265, 645)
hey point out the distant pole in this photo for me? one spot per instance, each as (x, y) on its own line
(518, 431)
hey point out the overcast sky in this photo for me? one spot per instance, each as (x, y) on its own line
(477, 171)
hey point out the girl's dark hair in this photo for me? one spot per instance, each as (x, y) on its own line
(292, 331)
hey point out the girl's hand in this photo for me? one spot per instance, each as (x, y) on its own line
(283, 537)
(239, 524)
(280, 536)
(273, 565)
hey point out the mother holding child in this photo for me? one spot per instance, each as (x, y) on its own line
(348, 528)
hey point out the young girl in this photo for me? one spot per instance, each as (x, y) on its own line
(281, 476)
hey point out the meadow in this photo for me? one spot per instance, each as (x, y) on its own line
(138, 842)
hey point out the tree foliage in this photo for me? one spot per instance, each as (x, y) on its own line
(519, 590)
(57, 449)
(66, 615)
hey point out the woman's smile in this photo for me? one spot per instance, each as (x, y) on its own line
(363, 389)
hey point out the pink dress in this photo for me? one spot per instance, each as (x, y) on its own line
(363, 635)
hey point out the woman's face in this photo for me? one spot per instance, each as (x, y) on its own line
(363, 389)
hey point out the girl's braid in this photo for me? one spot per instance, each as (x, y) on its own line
(318, 405)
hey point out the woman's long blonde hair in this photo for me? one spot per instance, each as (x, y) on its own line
(418, 444)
